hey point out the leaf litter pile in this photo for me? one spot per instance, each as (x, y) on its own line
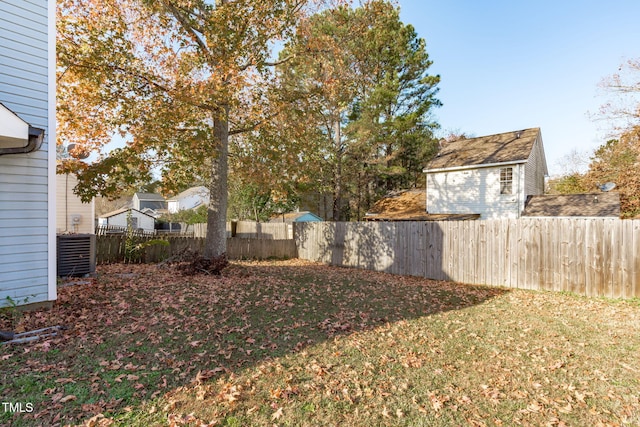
(290, 343)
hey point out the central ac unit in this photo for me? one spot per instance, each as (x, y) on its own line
(76, 254)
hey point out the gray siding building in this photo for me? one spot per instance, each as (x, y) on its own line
(27, 152)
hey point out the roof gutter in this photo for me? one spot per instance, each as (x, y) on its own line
(467, 167)
(36, 136)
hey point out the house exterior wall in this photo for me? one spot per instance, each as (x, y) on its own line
(145, 222)
(188, 202)
(535, 170)
(27, 181)
(193, 199)
(143, 203)
(68, 204)
(475, 191)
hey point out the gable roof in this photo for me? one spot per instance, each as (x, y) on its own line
(579, 205)
(508, 147)
(122, 210)
(149, 196)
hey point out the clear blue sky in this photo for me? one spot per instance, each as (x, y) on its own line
(509, 65)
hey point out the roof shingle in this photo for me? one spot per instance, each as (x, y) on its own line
(580, 205)
(409, 205)
(509, 147)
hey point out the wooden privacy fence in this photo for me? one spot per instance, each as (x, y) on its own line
(240, 248)
(248, 230)
(111, 249)
(593, 257)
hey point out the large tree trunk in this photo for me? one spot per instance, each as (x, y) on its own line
(337, 174)
(216, 243)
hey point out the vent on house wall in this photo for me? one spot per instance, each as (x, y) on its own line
(76, 254)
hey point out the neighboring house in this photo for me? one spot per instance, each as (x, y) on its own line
(593, 205)
(27, 152)
(128, 217)
(151, 203)
(72, 215)
(491, 175)
(408, 205)
(303, 216)
(192, 198)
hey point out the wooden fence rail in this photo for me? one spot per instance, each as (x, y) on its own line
(247, 230)
(113, 248)
(593, 257)
(262, 230)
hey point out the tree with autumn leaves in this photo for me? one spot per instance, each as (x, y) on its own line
(358, 123)
(617, 160)
(186, 82)
(177, 78)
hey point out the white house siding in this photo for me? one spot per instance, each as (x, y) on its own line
(145, 222)
(474, 191)
(68, 205)
(189, 199)
(188, 202)
(192, 201)
(27, 181)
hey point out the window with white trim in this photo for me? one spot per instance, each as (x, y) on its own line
(506, 180)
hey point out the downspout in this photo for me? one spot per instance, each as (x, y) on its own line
(36, 136)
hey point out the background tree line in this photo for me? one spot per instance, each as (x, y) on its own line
(358, 121)
(618, 159)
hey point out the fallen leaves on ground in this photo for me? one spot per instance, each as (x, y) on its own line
(295, 343)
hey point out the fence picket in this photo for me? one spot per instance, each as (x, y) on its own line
(595, 257)
(111, 249)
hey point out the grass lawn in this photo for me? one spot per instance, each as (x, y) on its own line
(291, 343)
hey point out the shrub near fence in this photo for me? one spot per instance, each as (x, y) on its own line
(112, 249)
(593, 257)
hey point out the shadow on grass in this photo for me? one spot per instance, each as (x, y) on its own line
(140, 331)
